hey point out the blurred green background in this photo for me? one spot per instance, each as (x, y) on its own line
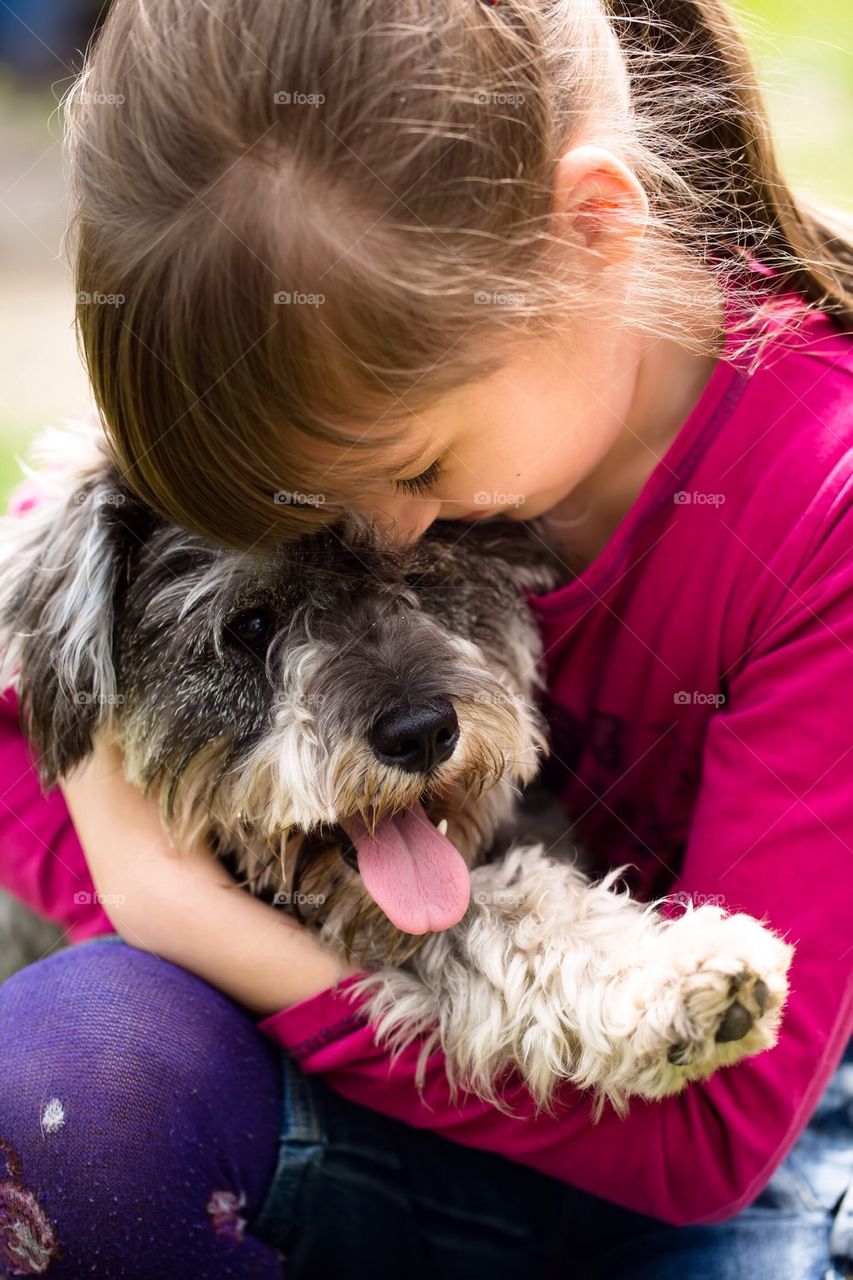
(803, 50)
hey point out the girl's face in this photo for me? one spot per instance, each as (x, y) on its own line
(514, 444)
(522, 439)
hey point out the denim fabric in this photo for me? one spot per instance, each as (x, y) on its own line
(357, 1195)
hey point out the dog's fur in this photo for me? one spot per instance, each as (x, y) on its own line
(244, 689)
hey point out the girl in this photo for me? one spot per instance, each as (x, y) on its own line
(528, 259)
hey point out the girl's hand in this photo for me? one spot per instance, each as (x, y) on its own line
(183, 904)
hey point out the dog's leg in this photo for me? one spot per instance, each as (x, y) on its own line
(564, 979)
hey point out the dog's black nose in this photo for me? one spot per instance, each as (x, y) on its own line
(416, 738)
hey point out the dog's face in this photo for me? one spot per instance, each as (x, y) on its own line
(319, 713)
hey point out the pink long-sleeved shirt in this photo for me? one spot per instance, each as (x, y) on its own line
(700, 676)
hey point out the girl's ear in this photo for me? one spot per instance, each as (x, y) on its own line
(62, 563)
(599, 202)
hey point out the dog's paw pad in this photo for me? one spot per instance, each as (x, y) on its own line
(735, 1023)
(729, 1014)
(727, 997)
(738, 1020)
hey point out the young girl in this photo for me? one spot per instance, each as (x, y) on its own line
(458, 260)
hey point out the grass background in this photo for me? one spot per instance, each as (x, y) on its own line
(802, 49)
(804, 52)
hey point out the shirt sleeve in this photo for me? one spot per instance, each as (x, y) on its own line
(772, 834)
(42, 862)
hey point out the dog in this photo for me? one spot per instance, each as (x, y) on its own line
(351, 726)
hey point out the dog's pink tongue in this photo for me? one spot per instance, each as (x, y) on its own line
(412, 871)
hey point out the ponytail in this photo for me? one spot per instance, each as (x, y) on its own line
(732, 162)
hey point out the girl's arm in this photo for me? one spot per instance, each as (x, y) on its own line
(183, 905)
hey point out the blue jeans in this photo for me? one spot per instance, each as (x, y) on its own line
(391, 1200)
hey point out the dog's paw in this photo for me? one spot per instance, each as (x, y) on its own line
(723, 985)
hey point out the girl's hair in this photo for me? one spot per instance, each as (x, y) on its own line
(293, 221)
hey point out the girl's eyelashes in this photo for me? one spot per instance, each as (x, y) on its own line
(420, 484)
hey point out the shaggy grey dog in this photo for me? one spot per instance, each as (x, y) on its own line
(350, 725)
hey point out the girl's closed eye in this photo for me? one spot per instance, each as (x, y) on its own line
(421, 483)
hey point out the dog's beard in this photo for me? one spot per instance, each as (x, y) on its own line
(280, 818)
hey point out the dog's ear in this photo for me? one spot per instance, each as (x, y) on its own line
(62, 562)
(516, 548)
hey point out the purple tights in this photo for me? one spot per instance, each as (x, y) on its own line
(139, 1121)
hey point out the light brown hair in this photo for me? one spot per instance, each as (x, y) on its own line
(313, 210)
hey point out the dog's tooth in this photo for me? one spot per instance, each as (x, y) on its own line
(441, 827)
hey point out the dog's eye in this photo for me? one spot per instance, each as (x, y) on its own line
(251, 629)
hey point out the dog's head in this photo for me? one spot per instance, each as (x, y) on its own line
(319, 713)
